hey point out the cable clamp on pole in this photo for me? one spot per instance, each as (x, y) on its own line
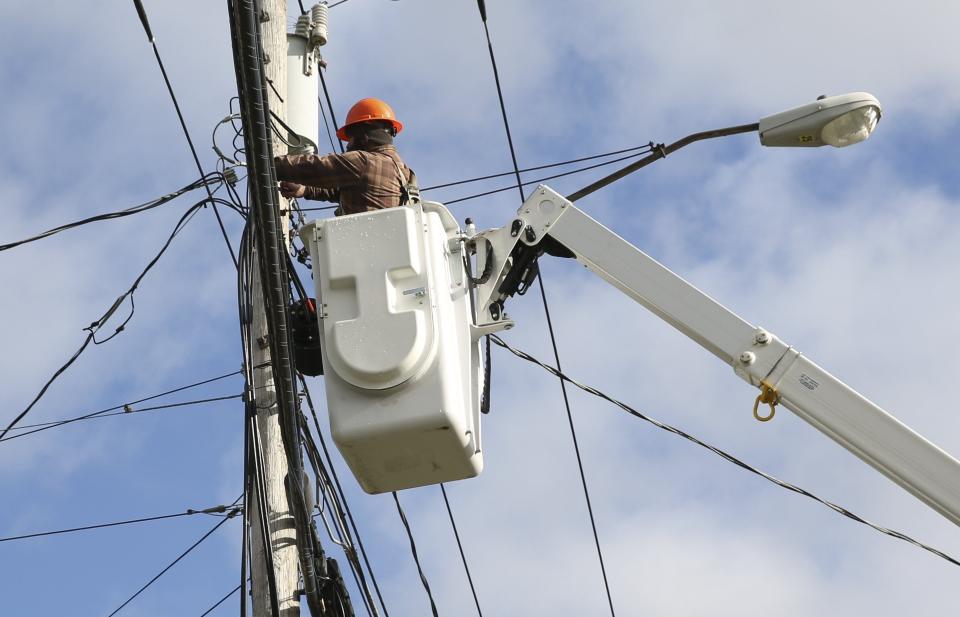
(768, 396)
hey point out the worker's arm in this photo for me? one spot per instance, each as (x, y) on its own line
(320, 194)
(292, 190)
(332, 171)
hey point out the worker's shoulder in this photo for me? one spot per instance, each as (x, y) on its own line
(387, 151)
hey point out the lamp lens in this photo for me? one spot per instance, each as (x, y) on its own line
(851, 128)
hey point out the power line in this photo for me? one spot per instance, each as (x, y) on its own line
(95, 327)
(205, 181)
(576, 444)
(544, 179)
(645, 147)
(463, 555)
(333, 116)
(222, 600)
(722, 454)
(503, 110)
(546, 309)
(232, 514)
(46, 426)
(413, 549)
(126, 411)
(183, 125)
(213, 510)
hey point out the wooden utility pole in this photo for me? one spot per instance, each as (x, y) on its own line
(283, 534)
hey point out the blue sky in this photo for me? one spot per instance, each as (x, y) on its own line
(850, 255)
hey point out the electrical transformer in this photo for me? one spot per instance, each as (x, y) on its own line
(402, 367)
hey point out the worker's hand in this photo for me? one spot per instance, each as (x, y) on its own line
(291, 189)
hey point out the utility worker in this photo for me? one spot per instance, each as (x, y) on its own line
(369, 176)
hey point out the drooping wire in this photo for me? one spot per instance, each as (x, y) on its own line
(234, 512)
(126, 410)
(583, 478)
(721, 453)
(95, 327)
(46, 426)
(211, 178)
(413, 550)
(183, 125)
(463, 555)
(213, 510)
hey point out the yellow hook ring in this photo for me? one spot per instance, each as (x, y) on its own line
(769, 396)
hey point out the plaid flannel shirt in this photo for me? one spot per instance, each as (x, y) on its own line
(360, 180)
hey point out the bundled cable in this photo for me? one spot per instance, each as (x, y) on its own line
(206, 181)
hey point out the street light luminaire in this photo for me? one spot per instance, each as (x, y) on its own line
(837, 121)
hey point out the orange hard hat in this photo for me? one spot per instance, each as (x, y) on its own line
(366, 110)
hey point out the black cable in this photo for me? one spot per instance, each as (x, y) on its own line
(343, 497)
(222, 600)
(125, 411)
(326, 124)
(177, 560)
(544, 179)
(326, 496)
(326, 94)
(46, 426)
(263, 510)
(214, 510)
(337, 3)
(645, 147)
(173, 97)
(463, 555)
(209, 179)
(248, 61)
(503, 109)
(94, 327)
(576, 445)
(413, 549)
(722, 454)
(553, 340)
(253, 457)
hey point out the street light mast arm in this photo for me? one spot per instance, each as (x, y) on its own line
(660, 152)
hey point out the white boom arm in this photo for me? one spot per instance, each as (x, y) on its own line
(505, 255)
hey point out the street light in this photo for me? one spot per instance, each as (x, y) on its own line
(839, 121)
